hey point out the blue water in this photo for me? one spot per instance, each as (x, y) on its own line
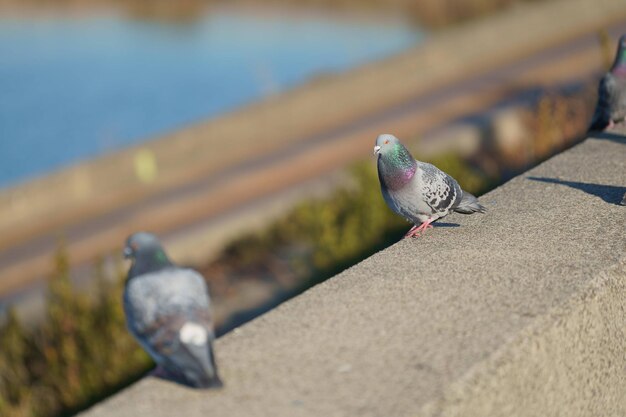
(73, 88)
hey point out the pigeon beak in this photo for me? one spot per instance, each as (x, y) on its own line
(127, 252)
(376, 150)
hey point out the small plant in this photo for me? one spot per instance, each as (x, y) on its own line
(79, 352)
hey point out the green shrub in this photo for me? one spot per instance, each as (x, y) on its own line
(80, 351)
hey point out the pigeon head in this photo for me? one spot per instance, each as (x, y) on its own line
(146, 252)
(396, 166)
(385, 144)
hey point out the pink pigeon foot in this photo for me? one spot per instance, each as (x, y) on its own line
(417, 230)
(410, 232)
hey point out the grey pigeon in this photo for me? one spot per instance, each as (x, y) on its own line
(611, 106)
(168, 312)
(418, 191)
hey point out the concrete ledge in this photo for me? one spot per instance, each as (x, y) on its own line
(520, 312)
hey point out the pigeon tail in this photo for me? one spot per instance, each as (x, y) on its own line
(206, 382)
(210, 377)
(204, 374)
(469, 204)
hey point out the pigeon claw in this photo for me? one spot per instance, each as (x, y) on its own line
(416, 231)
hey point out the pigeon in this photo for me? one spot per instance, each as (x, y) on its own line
(168, 311)
(611, 106)
(418, 191)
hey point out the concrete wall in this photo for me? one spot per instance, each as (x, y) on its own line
(518, 312)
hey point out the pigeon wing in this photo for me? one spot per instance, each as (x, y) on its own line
(439, 190)
(183, 344)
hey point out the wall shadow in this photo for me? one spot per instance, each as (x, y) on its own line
(609, 193)
(437, 224)
(610, 136)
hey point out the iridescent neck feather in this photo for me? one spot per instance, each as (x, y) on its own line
(152, 261)
(396, 167)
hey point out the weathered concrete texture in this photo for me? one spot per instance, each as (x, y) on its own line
(519, 312)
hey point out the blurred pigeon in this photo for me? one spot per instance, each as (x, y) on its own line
(611, 106)
(167, 311)
(418, 191)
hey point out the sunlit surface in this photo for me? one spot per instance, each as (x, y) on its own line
(72, 88)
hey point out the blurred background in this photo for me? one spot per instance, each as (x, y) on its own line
(241, 133)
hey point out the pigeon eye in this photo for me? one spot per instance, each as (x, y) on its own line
(386, 141)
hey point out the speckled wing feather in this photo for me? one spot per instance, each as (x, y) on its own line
(440, 191)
